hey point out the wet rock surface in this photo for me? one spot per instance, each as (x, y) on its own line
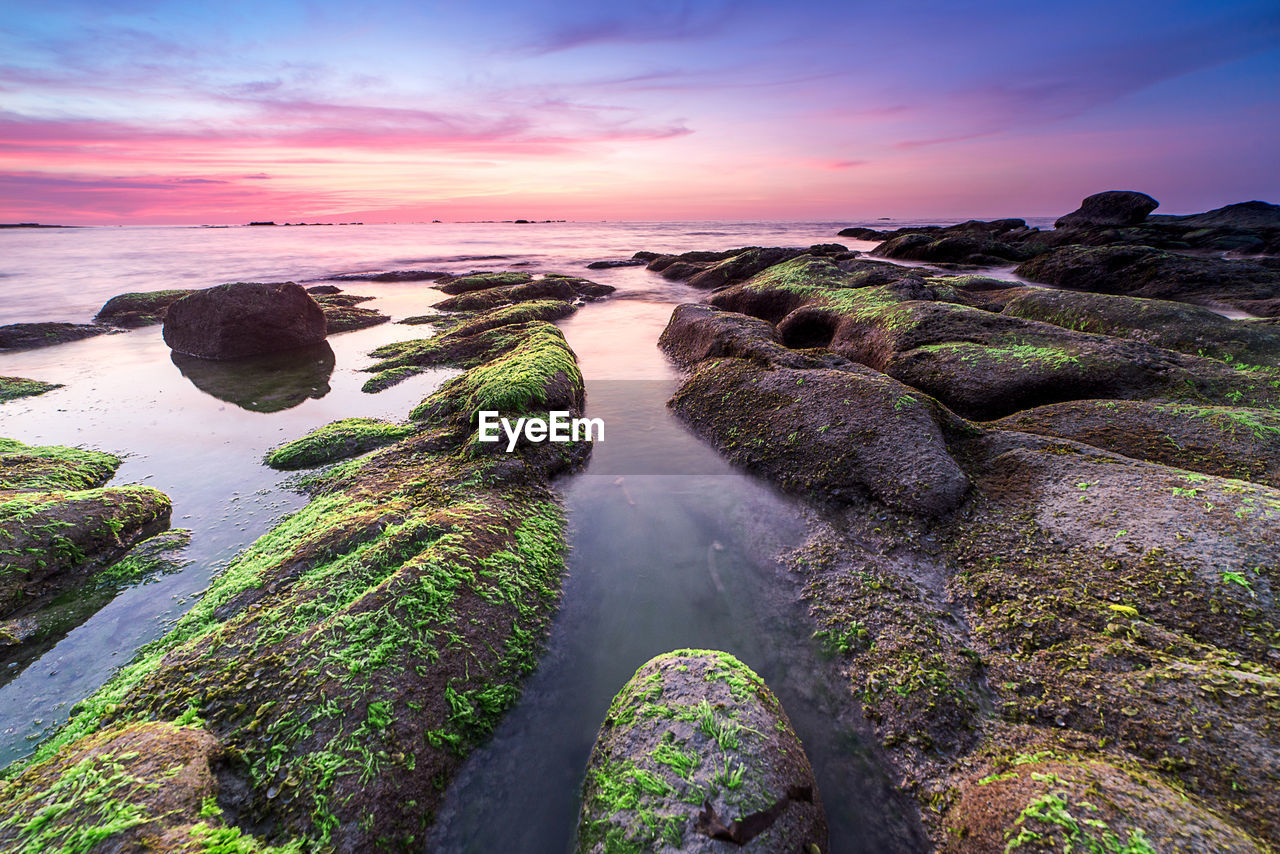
(332, 679)
(29, 336)
(1113, 207)
(696, 754)
(242, 319)
(12, 388)
(139, 309)
(1072, 641)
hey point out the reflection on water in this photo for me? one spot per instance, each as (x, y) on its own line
(270, 383)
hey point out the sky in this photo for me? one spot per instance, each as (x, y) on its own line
(140, 112)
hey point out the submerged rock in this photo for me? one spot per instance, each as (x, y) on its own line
(270, 383)
(28, 336)
(12, 388)
(139, 309)
(609, 265)
(243, 319)
(697, 755)
(1113, 207)
(341, 314)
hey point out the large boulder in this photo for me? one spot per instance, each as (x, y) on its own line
(1114, 207)
(241, 319)
(697, 755)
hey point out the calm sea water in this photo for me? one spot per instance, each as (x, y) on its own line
(670, 546)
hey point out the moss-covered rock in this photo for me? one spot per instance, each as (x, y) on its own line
(349, 659)
(40, 623)
(12, 388)
(1226, 441)
(696, 752)
(143, 787)
(342, 315)
(50, 541)
(1171, 325)
(561, 288)
(337, 441)
(53, 467)
(139, 309)
(825, 432)
(484, 281)
(1141, 271)
(28, 336)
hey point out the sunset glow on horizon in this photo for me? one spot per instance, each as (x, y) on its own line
(175, 113)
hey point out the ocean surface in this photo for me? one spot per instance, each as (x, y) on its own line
(670, 546)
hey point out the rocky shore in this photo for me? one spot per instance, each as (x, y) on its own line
(1049, 553)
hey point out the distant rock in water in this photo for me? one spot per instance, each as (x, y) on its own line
(28, 336)
(609, 265)
(1113, 207)
(243, 319)
(270, 383)
(697, 755)
(324, 289)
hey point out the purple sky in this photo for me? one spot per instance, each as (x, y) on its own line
(148, 112)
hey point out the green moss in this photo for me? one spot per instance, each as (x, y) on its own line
(336, 441)
(53, 467)
(1051, 816)
(15, 387)
(516, 382)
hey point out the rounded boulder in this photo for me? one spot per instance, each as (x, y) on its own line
(242, 319)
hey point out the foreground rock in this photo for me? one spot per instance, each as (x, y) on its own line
(243, 319)
(378, 634)
(1078, 649)
(139, 309)
(696, 754)
(337, 441)
(28, 336)
(12, 388)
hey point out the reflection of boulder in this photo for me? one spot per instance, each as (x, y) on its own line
(268, 383)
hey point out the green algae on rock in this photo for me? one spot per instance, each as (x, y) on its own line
(12, 388)
(337, 441)
(144, 308)
(349, 659)
(53, 467)
(1075, 606)
(695, 752)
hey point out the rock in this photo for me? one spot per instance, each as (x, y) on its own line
(58, 525)
(1111, 208)
(392, 276)
(40, 623)
(845, 432)
(1141, 271)
(28, 336)
(742, 266)
(341, 315)
(337, 441)
(1172, 325)
(137, 787)
(858, 233)
(12, 388)
(697, 755)
(470, 339)
(563, 288)
(243, 319)
(483, 281)
(1245, 215)
(139, 309)
(271, 383)
(609, 265)
(696, 333)
(324, 289)
(385, 625)
(1225, 441)
(949, 249)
